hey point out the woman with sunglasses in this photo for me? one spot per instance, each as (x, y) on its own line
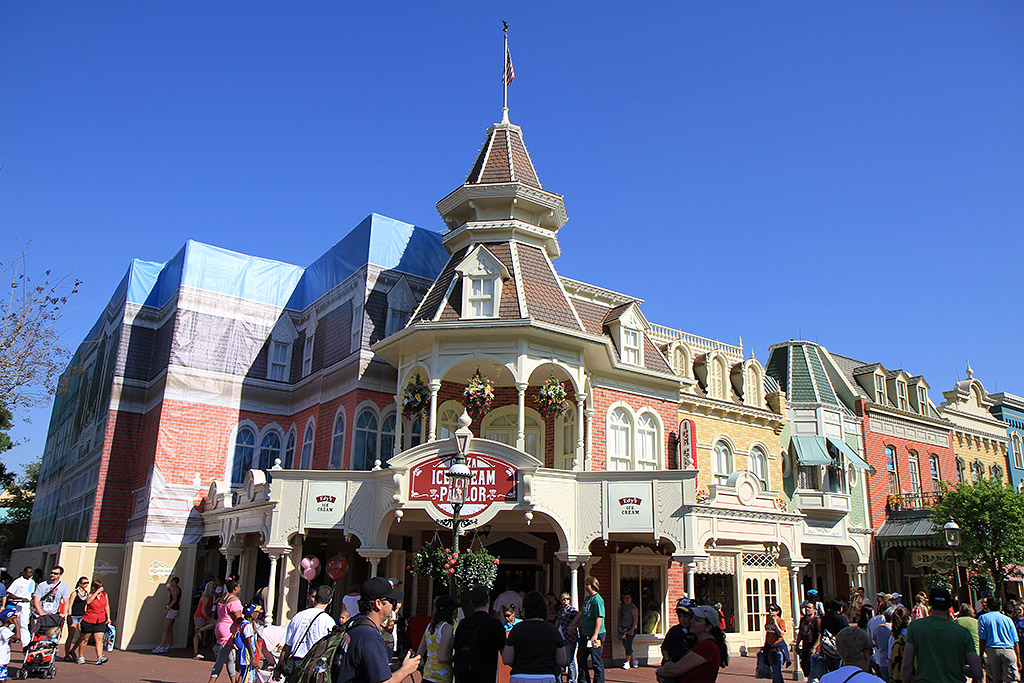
(78, 597)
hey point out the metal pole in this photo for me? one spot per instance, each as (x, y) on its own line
(453, 585)
(956, 577)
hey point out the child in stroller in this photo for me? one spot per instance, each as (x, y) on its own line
(41, 655)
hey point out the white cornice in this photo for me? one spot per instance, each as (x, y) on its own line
(595, 294)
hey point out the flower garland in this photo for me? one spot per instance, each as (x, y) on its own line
(551, 399)
(478, 396)
(443, 565)
(416, 399)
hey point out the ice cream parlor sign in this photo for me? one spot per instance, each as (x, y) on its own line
(492, 481)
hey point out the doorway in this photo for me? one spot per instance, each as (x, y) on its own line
(718, 588)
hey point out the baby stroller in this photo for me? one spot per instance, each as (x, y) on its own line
(41, 655)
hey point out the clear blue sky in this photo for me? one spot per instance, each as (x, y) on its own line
(846, 172)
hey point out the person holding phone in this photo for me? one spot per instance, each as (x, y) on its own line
(94, 621)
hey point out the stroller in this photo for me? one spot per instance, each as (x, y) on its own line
(41, 654)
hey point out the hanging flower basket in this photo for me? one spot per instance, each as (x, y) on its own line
(703, 496)
(416, 398)
(780, 503)
(478, 396)
(552, 400)
(442, 564)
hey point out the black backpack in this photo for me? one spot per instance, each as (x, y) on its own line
(468, 667)
(317, 664)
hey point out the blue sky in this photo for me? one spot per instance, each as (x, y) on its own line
(846, 172)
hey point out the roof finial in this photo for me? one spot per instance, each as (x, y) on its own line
(970, 372)
(507, 75)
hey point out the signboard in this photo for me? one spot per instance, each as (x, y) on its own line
(493, 481)
(325, 504)
(688, 447)
(927, 558)
(631, 506)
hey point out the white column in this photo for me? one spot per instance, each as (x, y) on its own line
(691, 568)
(581, 402)
(588, 449)
(398, 426)
(574, 584)
(231, 561)
(272, 588)
(434, 387)
(374, 556)
(521, 419)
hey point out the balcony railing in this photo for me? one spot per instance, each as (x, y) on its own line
(905, 502)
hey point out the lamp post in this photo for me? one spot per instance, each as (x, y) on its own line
(952, 532)
(458, 482)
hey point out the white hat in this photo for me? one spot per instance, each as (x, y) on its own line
(707, 613)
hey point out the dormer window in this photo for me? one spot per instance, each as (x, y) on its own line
(922, 401)
(401, 304)
(307, 356)
(901, 394)
(483, 275)
(631, 346)
(880, 389)
(280, 353)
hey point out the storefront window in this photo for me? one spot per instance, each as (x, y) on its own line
(644, 583)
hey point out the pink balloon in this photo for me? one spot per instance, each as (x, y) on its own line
(314, 562)
(309, 573)
(304, 564)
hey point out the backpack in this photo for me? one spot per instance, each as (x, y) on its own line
(239, 643)
(467, 664)
(316, 665)
(828, 644)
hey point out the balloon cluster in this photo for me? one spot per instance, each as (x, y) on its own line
(336, 567)
(310, 567)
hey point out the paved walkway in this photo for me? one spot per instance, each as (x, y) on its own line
(179, 667)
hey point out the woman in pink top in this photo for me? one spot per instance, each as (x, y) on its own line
(229, 617)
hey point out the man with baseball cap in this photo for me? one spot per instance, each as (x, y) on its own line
(938, 648)
(478, 640)
(679, 640)
(364, 655)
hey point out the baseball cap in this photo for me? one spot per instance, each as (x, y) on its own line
(379, 588)
(894, 596)
(445, 602)
(813, 591)
(684, 605)
(253, 608)
(707, 613)
(478, 595)
(940, 598)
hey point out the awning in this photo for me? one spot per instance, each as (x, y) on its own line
(914, 532)
(810, 450)
(853, 456)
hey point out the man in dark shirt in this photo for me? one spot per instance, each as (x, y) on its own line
(833, 622)
(364, 657)
(679, 640)
(477, 641)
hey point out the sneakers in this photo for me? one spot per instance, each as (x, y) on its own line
(636, 663)
(102, 660)
(625, 664)
(80, 660)
(157, 650)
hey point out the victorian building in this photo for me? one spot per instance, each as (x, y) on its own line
(1010, 409)
(979, 438)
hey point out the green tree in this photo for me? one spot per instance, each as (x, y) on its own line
(990, 515)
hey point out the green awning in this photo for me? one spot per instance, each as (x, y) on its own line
(810, 450)
(853, 456)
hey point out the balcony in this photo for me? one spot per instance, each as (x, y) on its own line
(822, 504)
(911, 503)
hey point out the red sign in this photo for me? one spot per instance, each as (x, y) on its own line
(687, 444)
(493, 480)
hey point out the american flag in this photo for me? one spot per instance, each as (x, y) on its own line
(510, 72)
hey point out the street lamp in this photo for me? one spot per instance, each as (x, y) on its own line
(458, 483)
(952, 532)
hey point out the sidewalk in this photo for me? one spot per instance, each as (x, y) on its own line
(179, 667)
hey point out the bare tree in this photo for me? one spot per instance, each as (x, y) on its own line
(31, 354)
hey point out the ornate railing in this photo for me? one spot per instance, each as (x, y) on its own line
(695, 342)
(912, 501)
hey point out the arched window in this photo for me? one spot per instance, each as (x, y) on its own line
(961, 471)
(753, 386)
(890, 466)
(565, 439)
(387, 439)
(646, 442)
(270, 450)
(412, 432)
(1018, 458)
(289, 452)
(723, 462)
(448, 419)
(933, 463)
(915, 473)
(759, 465)
(620, 428)
(997, 473)
(365, 450)
(337, 443)
(245, 448)
(717, 378)
(307, 449)
(501, 425)
(977, 471)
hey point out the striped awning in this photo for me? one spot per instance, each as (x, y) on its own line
(810, 450)
(853, 456)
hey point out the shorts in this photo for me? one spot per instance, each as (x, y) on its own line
(199, 622)
(94, 628)
(3, 672)
(172, 614)
(75, 620)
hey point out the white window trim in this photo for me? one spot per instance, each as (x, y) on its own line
(720, 478)
(340, 451)
(632, 346)
(638, 558)
(310, 423)
(766, 479)
(565, 449)
(272, 363)
(901, 395)
(880, 390)
(242, 424)
(375, 409)
(480, 264)
(307, 356)
(486, 426)
(922, 401)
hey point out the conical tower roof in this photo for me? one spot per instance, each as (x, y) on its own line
(503, 159)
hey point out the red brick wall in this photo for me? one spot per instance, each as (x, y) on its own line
(602, 401)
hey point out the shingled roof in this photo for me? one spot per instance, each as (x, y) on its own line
(503, 159)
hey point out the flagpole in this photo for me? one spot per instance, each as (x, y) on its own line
(504, 75)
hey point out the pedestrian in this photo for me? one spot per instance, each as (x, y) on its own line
(590, 652)
(898, 642)
(819, 607)
(938, 649)
(775, 647)
(364, 656)
(854, 647)
(1018, 620)
(965, 617)
(78, 597)
(8, 630)
(94, 622)
(679, 640)
(552, 607)
(5, 579)
(513, 597)
(20, 594)
(201, 618)
(509, 618)
(435, 648)
(864, 617)
(856, 602)
(808, 633)
(478, 640)
(832, 623)
(880, 632)
(920, 610)
(304, 630)
(629, 619)
(171, 612)
(1000, 647)
(721, 616)
(709, 653)
(247, 644)
(534, 649)
(563, 620)
(229, 619)
(52, 596)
